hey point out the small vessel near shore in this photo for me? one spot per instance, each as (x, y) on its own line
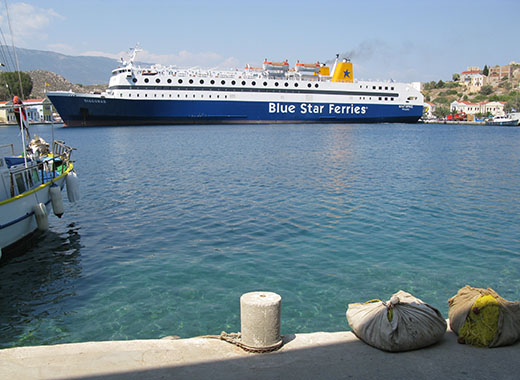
(504, 121)
(272, 93)
(31, 184)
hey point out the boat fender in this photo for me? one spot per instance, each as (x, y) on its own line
(40, 213)
(72, 182)
(56, 200)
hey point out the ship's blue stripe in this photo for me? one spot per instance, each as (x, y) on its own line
(76, 110)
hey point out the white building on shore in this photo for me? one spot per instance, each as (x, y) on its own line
(485, 108)
(473, 78)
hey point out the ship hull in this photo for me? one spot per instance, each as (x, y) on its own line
(92, 110)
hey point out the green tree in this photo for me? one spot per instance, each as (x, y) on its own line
(452, 84)
(441, 112)
(485, 72)
(440, 84)
(442, 100)
(513, 104)
(486, 90)
(456, 77)
(10, 85)
(479, 98)
(430, 86)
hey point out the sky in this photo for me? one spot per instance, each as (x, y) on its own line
(403, 40)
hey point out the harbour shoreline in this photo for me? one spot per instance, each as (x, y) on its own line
(331, 355)
(454, 122)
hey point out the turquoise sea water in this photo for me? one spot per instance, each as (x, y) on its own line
(176, 223)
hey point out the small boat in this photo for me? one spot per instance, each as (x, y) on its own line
(31, 183)
(503, 121)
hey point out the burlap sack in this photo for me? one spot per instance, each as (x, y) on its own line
(508, 318)
(414, 323)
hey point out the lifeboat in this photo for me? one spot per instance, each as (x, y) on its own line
(307, 67)
(253, 68)
(279, 66)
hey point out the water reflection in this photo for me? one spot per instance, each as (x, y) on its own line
(35, 280)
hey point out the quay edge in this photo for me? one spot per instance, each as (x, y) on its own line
(331, 355)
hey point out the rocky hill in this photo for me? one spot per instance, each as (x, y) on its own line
(78, 69)
(46, 81)
(442, 94)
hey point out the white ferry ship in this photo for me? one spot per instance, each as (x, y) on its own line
(272, 93)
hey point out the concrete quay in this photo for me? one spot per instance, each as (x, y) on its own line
(320, 355)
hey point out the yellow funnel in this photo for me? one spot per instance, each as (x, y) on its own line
(343, 72)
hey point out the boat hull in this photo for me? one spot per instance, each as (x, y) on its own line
(508, 123)
(89, 110)
(17, 219)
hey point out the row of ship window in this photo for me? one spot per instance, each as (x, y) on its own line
(223, 82)
(253, 83)
(178, 95)
(379, 88)
(225, 96)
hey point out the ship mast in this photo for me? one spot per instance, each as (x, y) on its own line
(134, 54)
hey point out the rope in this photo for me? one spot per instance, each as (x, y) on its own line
(481, 325)
(14, 50)
(389, 307)
(234, 338)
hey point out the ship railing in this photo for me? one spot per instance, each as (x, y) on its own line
(25, 178)
(291, 76)
(62, 151)
(37, 173)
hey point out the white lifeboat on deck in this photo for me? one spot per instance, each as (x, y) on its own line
(307, 67)
(253, 68)
(279, 66)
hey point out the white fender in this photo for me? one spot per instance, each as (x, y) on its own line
(72, 182)
(40, 213)
(56, 200)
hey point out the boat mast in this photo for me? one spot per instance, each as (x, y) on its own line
(14, 50)
(21, 110)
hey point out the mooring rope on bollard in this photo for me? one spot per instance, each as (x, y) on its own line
(234, 338)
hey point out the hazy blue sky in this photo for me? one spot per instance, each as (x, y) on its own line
(400, 39)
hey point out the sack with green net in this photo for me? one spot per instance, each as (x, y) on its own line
(480, 317)
(401, 324)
